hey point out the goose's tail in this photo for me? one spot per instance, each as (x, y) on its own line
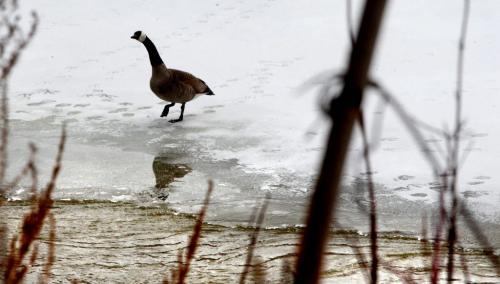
(207, 91)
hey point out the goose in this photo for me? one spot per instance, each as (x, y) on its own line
(174, 86)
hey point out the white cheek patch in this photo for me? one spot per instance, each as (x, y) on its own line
(142, 37)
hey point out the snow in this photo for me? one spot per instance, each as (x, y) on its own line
(263, 131)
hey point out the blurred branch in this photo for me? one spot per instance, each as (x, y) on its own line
(32, 225)
(350, 28)
(411, 125)
(488, 249)
(344, 111)
(452, 229)
(13, 40)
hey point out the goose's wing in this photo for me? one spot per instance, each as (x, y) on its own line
(190, 80)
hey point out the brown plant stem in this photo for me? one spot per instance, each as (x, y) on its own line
(193, 242)
(344, 112)
(373, 203)
(253, 240)
(452, 230)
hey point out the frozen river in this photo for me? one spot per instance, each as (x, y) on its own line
(262, 132)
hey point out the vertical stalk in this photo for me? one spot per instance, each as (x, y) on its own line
(452, 230)
(373, 202)
(344, 112)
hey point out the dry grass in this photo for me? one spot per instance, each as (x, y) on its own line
(23, 247)
(179, 275)
(24, 242)
(253, 242)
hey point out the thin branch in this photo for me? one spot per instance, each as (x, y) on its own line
(373, 204)
(193, 242)
(476, 230)
(350, 27)
(409, 122)
(452, 230)
(253, 239)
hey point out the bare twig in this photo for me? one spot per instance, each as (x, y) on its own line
(193, 242)
(373, 204)
(350, 28)
(412, 127)
(452, 230)
(15, 41)
(488, 249)
(434, 164)
(253, 239)
(32, 224)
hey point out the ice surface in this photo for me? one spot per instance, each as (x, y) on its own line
(261, 132)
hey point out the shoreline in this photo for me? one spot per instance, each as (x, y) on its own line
(124, 242)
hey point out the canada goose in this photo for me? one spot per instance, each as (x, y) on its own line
(171, 85)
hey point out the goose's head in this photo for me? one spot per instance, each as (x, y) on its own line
(139, 35)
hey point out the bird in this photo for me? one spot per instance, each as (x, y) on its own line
(171, 85)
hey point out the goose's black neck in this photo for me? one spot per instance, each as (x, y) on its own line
(154, 56)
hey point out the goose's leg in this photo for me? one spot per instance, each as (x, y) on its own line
(165, 110)
(181, 116)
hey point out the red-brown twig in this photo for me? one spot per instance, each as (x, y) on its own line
(193, 242)
(433, 162)
(253, 240)
(32, 224)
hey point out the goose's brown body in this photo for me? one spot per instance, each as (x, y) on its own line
(171, 85)
(175, 86)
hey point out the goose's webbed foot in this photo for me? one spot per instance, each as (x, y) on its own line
(175, 120)
(181, 116)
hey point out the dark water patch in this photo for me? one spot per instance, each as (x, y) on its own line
(94, 117)
(123, 109)
(40, 103)
(473, 194)
(63, 105)
(401, 188)
(482, 177)
(405, 177)
(81, 105)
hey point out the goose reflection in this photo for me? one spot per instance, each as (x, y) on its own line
(166, 172)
